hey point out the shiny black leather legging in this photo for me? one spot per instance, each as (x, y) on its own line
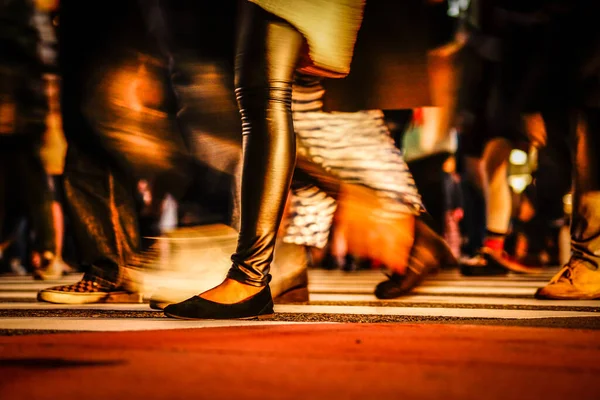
(267, 53)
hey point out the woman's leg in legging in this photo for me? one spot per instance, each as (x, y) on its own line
(267, 54)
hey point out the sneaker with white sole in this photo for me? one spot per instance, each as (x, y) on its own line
(89, 290)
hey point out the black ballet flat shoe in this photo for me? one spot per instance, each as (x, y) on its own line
(285, 290)
(427, 255)
(258, 306)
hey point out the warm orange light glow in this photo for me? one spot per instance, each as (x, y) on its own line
(46, 5)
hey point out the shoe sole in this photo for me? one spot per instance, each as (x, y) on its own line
(256, 317)
(294, 296)
(56, 297)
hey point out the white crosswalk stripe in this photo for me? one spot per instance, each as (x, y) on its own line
(445, 295)
(120, 324)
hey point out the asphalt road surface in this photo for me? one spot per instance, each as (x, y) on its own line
(453, 338)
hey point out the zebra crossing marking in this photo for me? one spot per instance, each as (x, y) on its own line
(345, 293)
(433, 312)
(125, 324)
(474, 300)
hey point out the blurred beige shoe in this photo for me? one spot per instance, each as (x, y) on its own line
(50, 268)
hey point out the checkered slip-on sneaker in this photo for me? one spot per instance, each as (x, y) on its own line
(89, 290)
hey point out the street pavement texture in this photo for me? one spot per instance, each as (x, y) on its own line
(300, 361)
(455, 338)
(452, 338)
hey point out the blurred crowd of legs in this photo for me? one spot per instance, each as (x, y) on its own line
(112, 137)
